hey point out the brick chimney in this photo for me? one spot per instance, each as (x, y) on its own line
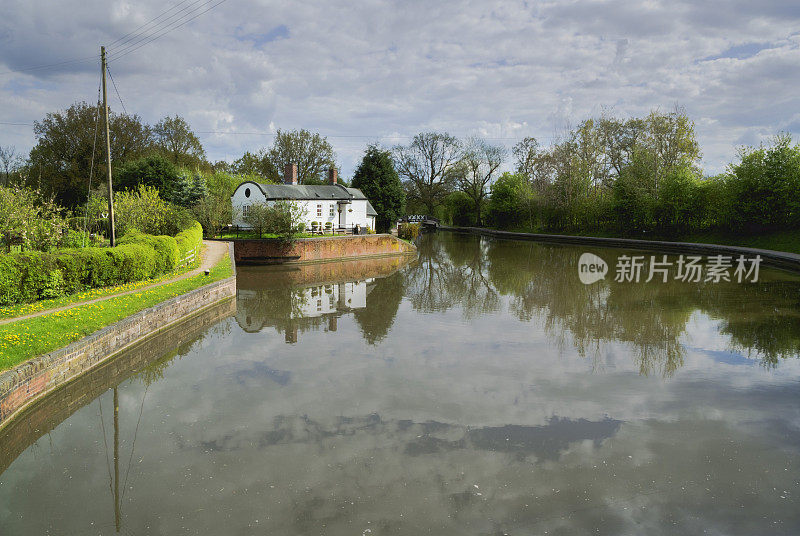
(290, 174)
(332, 175)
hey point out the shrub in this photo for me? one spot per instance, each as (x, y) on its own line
(408, 231)
(26, 215)
(33, 275)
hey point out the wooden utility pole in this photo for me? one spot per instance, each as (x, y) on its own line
(108, 149)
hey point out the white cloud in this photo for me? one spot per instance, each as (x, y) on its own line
(497, 70)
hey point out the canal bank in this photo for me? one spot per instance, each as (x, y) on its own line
(778, 259)
(40, 376)
(37, 377)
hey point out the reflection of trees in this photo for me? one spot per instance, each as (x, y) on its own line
(761, 319)
(452, 272)
(542, 282)
(383, 300)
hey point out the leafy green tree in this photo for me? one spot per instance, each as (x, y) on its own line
(256, 165)
(153, 171)
(282, 218)
(460, 209)
(61, 160)
(765, 186)
(27, 216)
(378, 180)
(509, 204)
(311, 152)
(176, 140)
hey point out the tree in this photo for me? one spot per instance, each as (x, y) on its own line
(26, 215)
(10, 161)
(475, 171)
(68, 142)
(378, 180)
(257, 164)
(154, 171)
(311, 152)
(175, 139)
(187, 191)
(282, 218)
(425, 166)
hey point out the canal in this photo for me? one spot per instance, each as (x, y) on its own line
(479, 389)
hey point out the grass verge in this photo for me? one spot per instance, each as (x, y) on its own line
(24, 309)
(788, 241)
(25, 339)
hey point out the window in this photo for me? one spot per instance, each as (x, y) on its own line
(333, 211)
(247, 192)
(319, 211)
(245, 210)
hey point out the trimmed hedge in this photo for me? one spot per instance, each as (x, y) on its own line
(30, 276)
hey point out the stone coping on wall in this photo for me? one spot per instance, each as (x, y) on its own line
(778, 259)
(39, 376)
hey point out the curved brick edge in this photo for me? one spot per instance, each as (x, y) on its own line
(39, 376)
(319, 249)
(778, 259)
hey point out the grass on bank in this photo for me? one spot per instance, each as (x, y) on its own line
(25, 339)
(788, 241)
(24, 309)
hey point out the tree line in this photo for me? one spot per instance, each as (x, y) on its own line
(607, 176)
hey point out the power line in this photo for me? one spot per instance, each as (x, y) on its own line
(166, 23)
(168, 30)
(49, 65)
(116, 90)
(147, 23)
(17, 124)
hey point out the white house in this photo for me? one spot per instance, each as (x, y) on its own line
(344, 208)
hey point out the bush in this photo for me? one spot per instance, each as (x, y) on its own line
(408, 231)
(31, 275)
(26, 215)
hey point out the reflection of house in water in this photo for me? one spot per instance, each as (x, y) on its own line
(300, 309)
(312, 297)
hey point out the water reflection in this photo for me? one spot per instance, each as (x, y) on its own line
(480, 390)
(300, 298)
(541, 284)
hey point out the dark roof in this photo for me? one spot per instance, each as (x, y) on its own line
(371, 210)
(311, 191)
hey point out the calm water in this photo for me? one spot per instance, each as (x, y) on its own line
(479, 390)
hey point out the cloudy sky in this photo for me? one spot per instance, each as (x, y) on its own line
(360, 72)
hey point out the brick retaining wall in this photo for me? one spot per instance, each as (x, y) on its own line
(319, 249)
(38, 419)
(37, 377)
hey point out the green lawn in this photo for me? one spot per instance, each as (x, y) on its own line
(24, 309)
(779, 241)
(25, 339)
